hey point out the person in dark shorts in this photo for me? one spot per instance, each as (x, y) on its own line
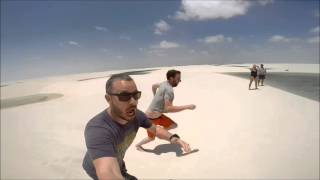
(162, 102)
(253, 76)
(262, 72)
(109, 134)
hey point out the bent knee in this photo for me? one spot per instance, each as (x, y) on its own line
(173, 126)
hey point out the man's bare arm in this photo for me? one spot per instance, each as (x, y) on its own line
(155, 87)
(165, 134)
(169, 107)
(107, 168)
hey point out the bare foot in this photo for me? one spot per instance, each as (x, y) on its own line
(140, 148)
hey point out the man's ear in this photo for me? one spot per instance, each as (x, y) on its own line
(107, 97)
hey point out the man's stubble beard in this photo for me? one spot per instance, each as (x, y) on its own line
(117, 111)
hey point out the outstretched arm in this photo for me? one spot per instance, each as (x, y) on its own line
(166, 135)
(155, 87)
(169, 107)
(107, 168)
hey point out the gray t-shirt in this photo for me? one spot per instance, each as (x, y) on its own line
(165, 91)
(107, 138)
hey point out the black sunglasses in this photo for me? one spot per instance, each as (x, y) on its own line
(126, 96)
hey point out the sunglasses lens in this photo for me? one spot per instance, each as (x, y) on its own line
(137, 95)
(127, 96)
(124, 97)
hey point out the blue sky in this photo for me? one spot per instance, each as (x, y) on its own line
(44, 38)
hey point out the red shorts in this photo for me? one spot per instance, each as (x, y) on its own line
(163, 121)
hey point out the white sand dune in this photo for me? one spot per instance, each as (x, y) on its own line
(268, 133)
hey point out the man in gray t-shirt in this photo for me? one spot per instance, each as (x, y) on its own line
(164, 92)
(109, 134)
(162, 102)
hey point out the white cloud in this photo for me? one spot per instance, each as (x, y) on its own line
(157, 52)
(125, 37)
(315, 30)
(205, 53)
(215, 39)
(161, 27)
(100, 28)
(211, 9)
(315, 40)
(166, 45)
(119, 57)
(192, 51)
(105, 50)
(265, 2)
(69, 43)
(279, 38)
(73, 43)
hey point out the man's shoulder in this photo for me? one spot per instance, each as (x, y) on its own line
(98, 120)
(163, 86)
(143, 120)
(99, 125)
(140, 115)
(166, 85)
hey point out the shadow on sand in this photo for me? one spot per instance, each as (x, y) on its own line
(167, 148)
(24, 100)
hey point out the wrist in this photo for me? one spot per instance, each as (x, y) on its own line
(190, 106)
(186, 107)
(174, 138)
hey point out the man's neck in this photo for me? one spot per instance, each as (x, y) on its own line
(116, 118)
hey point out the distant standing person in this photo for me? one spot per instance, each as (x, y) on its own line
(163, 103)
(253, 76)
(262, 74)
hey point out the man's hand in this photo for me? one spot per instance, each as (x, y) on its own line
(185, 146)
(191, 106)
